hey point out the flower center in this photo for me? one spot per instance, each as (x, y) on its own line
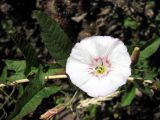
(100, 69)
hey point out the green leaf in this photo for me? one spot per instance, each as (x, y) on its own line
(16, 65)
(32, 96)
(60, 100)
(54, 38)
(149, 73)
(54, 71)
(36, 100)
(19, 67)
(128, 97)
(16, 76)
(149, 50)
(3, 78)
(30, 91)
(27, 50)
(130, 23)
(91, 110)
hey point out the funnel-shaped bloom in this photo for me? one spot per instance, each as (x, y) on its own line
(99, 65)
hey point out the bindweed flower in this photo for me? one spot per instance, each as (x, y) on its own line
(99, 65)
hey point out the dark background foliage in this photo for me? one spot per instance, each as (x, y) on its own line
(136, 22)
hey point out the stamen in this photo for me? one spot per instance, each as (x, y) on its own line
(100, 69)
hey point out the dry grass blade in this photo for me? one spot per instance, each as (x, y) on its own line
(96, 101)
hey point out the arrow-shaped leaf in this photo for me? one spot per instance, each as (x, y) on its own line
(54, 38)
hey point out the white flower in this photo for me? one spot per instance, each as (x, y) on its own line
(99, 65)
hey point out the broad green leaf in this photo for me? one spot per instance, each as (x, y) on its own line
(3, 78)
(30, 91)
(54, 71)
(16, 65)
(27, 50)
(32, 96)
(19, 67)
(16, 76)
(54, 38)
(130, 23)
(128, 97)
(50, 71)
(36, 100)
(150, 50)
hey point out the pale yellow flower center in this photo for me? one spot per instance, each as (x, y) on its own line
(101, 69)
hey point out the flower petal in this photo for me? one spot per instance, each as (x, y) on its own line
(108, 85)
(123, 71)
(119, 55)
(84, 51)
(92, 87)
(95, 87)
(118, 78)
(77, 71)
(103, 44)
